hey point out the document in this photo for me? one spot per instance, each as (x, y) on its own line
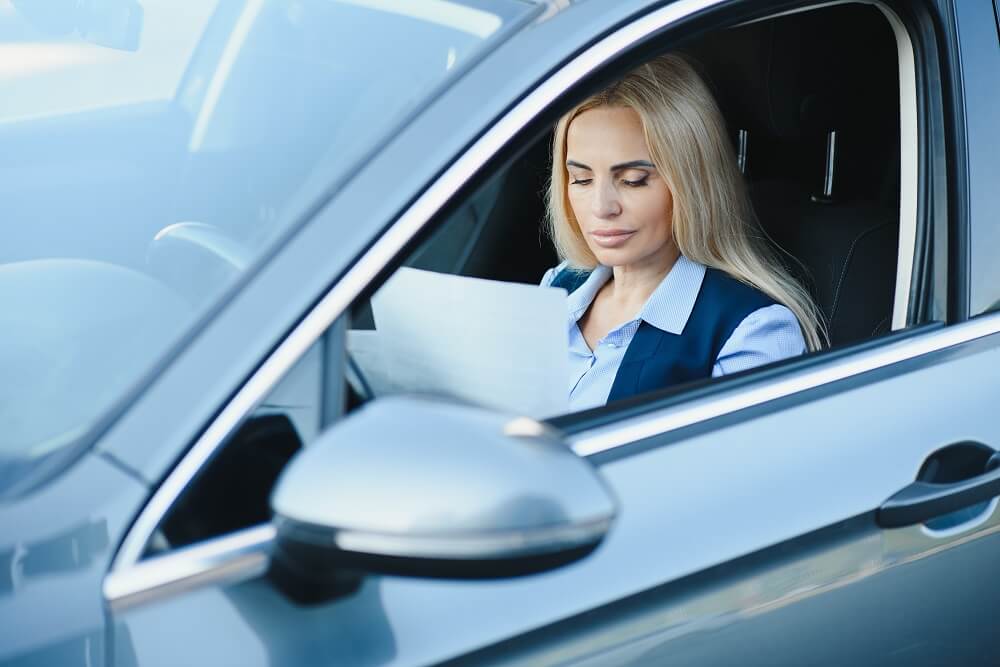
(500, 345)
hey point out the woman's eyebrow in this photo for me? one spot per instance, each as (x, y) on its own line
(632, 165)
(615, 167)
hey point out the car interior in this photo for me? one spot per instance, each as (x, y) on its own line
(814, 119)
(784, 86)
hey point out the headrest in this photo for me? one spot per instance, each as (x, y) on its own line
(795, 75)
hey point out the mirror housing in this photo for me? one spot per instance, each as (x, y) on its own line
(417, 486)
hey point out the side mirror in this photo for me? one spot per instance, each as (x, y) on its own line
(416, 486)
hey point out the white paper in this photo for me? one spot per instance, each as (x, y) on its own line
(496, 344)
(364, 348)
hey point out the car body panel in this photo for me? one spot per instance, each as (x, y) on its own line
(814, 601)
(55, 547)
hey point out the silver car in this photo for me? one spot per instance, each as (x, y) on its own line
(198, 201)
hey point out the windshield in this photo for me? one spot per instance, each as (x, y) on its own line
(154, 149)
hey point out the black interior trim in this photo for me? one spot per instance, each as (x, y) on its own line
(930, 262)
(958, 174)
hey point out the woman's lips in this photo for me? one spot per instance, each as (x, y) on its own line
(611, 238)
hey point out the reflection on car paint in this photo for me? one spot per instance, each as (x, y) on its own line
(66, 552)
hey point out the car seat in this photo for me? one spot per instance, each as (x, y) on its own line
(784, 86)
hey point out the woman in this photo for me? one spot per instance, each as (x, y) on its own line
(668, 275)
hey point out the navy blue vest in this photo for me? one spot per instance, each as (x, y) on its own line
(656, 359)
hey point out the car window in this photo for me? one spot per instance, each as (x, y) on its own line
(154, 151)
(836, 232)
(824, 184)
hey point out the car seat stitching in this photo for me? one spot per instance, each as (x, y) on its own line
(879, 326)
(847, 262)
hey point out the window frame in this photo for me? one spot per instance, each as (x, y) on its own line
(587, 436)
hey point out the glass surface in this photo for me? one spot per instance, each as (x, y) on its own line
(155, 149)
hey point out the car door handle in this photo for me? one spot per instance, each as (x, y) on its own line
(921, 501)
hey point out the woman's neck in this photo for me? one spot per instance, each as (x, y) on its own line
(634, 283)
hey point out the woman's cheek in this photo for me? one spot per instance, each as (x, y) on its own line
(579, 207)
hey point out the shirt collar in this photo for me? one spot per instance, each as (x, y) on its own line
(668, 307)
(580, 298)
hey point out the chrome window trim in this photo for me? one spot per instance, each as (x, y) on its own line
(235, 557)
(909, 168)
(245, 554)
(381, 253)
(602, 439)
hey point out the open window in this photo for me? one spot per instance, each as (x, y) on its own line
(825, 136)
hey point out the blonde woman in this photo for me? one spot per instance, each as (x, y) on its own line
(668, 276)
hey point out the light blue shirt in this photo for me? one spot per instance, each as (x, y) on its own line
(765, 335)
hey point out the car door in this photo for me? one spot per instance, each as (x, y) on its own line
(753, 526)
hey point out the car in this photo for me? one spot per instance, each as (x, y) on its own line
(200, 200)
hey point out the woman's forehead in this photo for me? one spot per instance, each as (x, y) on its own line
(605, 136)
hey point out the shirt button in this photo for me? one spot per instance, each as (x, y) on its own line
(610, 344)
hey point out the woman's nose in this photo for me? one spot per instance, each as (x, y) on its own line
(605, 203)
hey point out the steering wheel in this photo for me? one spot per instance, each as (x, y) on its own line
(196, 259)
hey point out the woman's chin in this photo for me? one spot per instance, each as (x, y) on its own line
(614, 256)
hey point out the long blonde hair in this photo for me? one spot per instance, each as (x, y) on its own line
(713, 220)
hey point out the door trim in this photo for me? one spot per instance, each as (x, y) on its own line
(232, 558)
(601, 439)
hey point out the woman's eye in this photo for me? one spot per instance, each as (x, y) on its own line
(639, 182)
(581, 181)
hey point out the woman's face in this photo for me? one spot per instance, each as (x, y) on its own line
(619, 198)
